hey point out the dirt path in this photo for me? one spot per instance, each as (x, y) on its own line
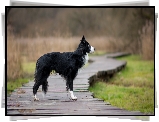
(57, 102)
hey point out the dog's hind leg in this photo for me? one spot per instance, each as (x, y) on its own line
(35, 88)
(41, 79)
(44, 84)
(44, 87)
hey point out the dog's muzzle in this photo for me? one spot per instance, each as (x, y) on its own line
(92, 49)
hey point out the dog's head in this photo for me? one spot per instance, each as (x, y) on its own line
(85, 46)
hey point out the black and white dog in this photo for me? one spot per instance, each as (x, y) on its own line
(66, 64)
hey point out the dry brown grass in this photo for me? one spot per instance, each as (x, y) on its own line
(20, 50)
(32, 48)
(14, 69)
(147, 40)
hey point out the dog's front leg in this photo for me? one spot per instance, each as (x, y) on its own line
(71, 91)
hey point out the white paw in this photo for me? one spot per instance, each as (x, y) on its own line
(72, 96)
(35, 98)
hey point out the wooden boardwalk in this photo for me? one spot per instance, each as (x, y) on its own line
(57, 100)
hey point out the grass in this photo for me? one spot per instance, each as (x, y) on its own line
(138, 73)
(29, 67)
(132, 88)
(12, 85)
(28, 70)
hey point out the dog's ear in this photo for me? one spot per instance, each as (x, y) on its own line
(83, 39)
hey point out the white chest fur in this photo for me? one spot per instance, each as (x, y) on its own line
(86, 58)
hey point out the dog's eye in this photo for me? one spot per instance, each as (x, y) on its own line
(82, 45)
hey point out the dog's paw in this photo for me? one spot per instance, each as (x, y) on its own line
(36, 99)
(74, 98)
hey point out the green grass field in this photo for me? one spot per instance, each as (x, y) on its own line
(132, 88)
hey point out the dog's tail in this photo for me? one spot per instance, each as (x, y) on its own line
(45, 86)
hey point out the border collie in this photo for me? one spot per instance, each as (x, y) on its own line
(66, 64)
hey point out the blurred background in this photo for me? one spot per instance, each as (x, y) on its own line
(31, 32)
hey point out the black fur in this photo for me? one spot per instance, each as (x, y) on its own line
(66, 64)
